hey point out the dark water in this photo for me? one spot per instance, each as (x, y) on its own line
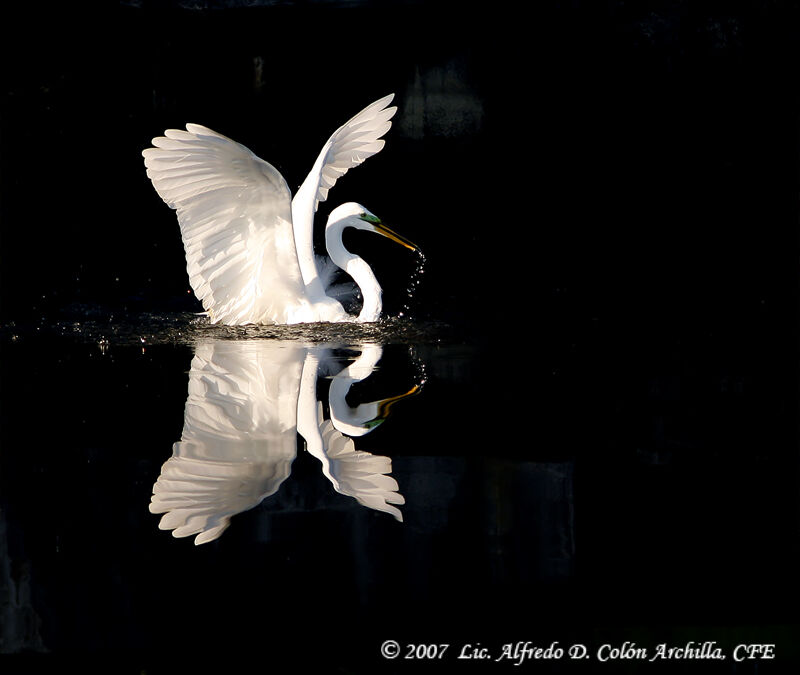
(600, 441)
(546, 499)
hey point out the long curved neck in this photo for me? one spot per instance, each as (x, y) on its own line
(303, 227)
(354, 421)
(357, 268)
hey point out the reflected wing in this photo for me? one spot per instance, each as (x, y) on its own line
(198, 496)
(239, 436)
(359, 474)
(234, 211)
(349, 145)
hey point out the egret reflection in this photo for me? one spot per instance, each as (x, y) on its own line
(247, 402)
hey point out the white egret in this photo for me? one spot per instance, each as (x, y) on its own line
(248, 243)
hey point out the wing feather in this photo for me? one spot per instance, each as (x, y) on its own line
(348, 146)
(234, 211)
(239, 436)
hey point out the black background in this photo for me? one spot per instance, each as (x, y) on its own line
(607, 198)
(631, 160)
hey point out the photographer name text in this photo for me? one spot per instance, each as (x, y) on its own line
(518, 653)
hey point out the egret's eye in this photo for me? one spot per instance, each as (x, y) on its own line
(369, 218)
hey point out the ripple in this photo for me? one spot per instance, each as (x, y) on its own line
(190, 329)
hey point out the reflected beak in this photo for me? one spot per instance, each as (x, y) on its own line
(386, 404)
(380, 228)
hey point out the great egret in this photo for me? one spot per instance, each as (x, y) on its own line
(248, 243)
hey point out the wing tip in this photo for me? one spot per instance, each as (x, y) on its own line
(199, 130)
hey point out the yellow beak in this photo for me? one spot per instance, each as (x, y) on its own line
(380, 228)
(385, 405)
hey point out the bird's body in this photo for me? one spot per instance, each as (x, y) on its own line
(248, 243)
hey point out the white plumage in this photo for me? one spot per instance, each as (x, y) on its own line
(239, 436)
(248, 243)
(246, 404)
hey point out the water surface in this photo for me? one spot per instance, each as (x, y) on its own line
(501, 478)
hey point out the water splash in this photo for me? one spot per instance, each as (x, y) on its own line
(418, 366)
(151, 329)
(413, 284)
(106, 328)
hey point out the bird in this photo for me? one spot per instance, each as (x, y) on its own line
(248, 243)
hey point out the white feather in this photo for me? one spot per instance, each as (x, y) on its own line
(348, 146)
(248, 244)
(239, 436)
(234, 211)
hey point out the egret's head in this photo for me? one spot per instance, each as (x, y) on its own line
(355, 215)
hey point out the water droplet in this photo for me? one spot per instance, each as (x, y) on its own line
(414, 283)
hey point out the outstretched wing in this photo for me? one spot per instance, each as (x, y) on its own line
(239, 435)
(234, 211)
(358, 474)
(349, 145)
